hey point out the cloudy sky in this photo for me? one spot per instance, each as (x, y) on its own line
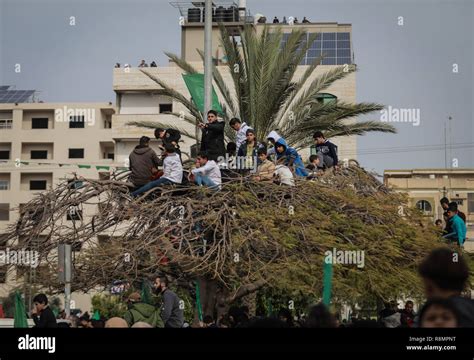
(406, 67)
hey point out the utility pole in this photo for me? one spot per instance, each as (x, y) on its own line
(445, 149)
(207, 58)
(65, 273)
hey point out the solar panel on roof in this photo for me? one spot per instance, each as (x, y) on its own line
(15, 96)
(4, 87)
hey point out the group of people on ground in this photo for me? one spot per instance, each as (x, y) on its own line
(168, 313)
(246, 156)
(444, 275)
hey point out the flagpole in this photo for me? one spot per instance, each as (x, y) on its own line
(207, 58)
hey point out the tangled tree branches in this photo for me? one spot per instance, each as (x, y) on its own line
(245, 236)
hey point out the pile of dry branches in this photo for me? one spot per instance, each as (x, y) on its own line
(246, 235)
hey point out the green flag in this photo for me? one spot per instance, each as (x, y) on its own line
(145, 293)
(327, 283)
(20, 313)
(195, 85)
(198, 301)
(84, 166)
(96, 315)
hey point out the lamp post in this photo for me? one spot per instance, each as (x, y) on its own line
(207, 58)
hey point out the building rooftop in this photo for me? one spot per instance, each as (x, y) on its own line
(429, 171)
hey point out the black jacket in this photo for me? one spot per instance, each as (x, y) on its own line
(46, 319)
(465, 308)
(171, 314)
(329, 149)
(212, 140)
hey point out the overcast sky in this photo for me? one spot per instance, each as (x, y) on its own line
(405, 67)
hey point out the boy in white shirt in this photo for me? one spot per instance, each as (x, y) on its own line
(207, 173)
(172, 171)
(241, 129)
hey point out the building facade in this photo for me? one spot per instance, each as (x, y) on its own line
(43, 144)
(426, 187)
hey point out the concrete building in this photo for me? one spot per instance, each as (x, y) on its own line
(42, 144)
(138, 97)
(426, 187)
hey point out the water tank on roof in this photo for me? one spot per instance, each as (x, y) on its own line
(229, 14)
(236, 15)
(220, 14)
(194, 15)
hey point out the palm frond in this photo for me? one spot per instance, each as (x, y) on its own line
(181, 63)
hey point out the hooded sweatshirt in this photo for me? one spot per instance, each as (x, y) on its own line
(272, 135)
(290, 153)
(241, 136)
(172, 168)
(143, 312)
(142, 160)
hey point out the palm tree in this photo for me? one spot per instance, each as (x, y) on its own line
(267, 95)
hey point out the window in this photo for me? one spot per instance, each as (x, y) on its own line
(4, 184)
(75, 184)
(110, 156)
(76, 122)
(470, 203)
(324, 98)
(4, 154)
(76, 153)
(38, 184)
(39, 123)
(424, 206)
(74, 214)
(4, 212)
(166, 108)
(39, 154)
(6, 124)
(104, 176)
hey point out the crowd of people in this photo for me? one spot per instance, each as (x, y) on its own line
(444, 274)
(276, 20)
(271, 161)
(217, 162)
(142, 64)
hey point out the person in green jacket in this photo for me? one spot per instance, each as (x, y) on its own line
(139, 311)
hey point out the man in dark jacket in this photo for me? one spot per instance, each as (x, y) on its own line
(407, 315)
(212, 140)
(445, 274)
(325, 150)
(171, 312)
(42, 315)
(168, 136)
(143, 163)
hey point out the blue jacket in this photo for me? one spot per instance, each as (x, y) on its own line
(458, 228)
(290, 153)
